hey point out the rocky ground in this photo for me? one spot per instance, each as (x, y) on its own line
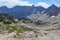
(18, 32)
(42, 35)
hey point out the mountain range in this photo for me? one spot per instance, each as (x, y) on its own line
(35, 13)
(21, 11)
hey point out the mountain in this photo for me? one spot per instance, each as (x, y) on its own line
(53, 13)
(59, 9)
(4, 9)
(34, 13)
(48, 15)
(52, 10)
(21, 11)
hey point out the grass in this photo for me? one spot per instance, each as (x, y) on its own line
(22, 29)
(18, 29)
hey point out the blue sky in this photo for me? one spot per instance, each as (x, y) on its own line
(36, 1)
(43, 3)
(56, 2)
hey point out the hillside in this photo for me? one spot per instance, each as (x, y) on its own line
(25, 29)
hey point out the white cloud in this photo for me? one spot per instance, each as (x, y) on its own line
(11, 3)
(46, 5)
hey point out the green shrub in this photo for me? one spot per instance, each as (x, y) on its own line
(7, 22)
